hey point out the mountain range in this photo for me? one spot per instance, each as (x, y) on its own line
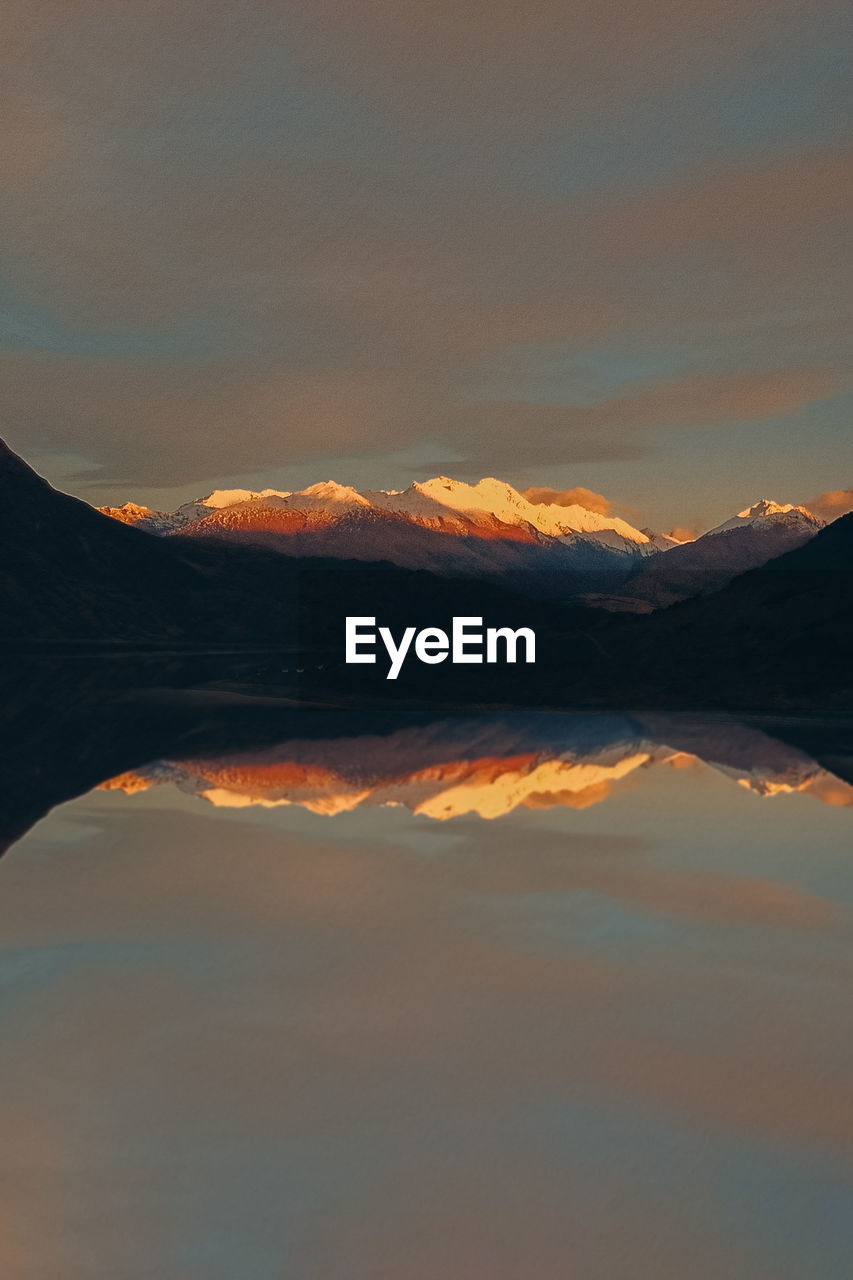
(490, 530)
(490, 510)
(488, 766)
(777, 635)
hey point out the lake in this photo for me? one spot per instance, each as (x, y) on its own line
(483, 997)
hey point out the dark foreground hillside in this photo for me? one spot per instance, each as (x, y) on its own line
(778, 636)
(783, 631)
(71, 576)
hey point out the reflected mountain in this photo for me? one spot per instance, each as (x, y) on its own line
(489, 766)
(237, 734)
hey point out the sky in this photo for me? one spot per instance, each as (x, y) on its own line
(266, 244)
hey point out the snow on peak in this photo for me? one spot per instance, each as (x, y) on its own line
(766, 507)
(128, 512)
(440, 502)
(491, 497)
(330, 492)
(231, 497)
(764, 514)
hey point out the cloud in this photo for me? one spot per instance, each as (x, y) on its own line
(569, 498)
(683, 535)
(832, 504)
(156, 424)
(240, 242)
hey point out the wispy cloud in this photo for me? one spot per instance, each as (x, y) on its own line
(254, 238)
(569, 498)
(831, 505)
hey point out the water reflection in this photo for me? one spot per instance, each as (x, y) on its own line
(223, 729)
(491, 765)
(604, 1033)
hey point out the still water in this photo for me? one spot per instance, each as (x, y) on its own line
(522, 998)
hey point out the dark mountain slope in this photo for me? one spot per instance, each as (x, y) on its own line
(712, 561)
(779, 636)
(781, 631)
(69, 573)
(518, 557)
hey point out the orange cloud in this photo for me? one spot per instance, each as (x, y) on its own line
(832, 504)
(569, 498)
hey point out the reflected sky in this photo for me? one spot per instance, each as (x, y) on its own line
(601, 1041)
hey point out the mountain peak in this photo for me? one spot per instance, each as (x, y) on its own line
(231, 497)
(329, 489)
(499, 490)
(332, 492)
(765, 514)
(439, 482)
(128, 512)
(767, 507)
(491, 507)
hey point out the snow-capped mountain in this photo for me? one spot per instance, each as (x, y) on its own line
(489, 529)
(489, 766)
(441, 524)
(168, 521)
(131, 513)
(766, 514)
(496, 500)
(755, 535)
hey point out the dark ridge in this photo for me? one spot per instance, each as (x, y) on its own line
(778, 636)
